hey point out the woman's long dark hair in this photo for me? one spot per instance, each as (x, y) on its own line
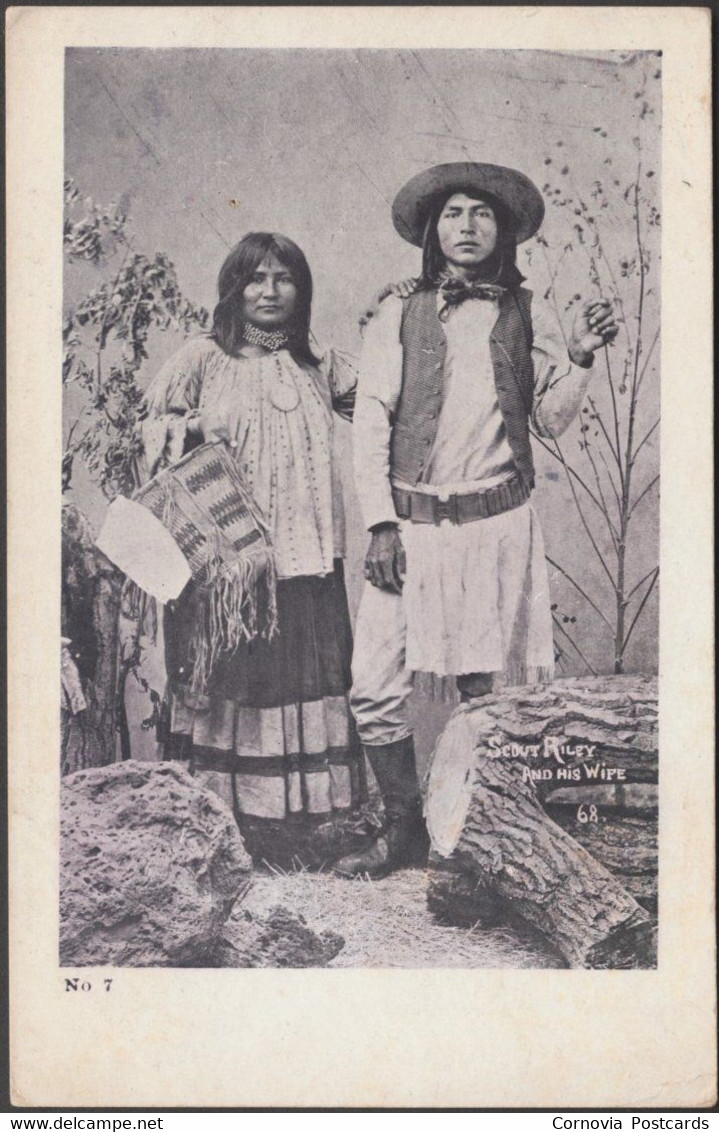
(500, 267)
(237, 271)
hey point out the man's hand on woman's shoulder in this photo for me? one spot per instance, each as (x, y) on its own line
(402, 290)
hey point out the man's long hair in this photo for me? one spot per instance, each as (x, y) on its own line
(235, 274)
(500, 267)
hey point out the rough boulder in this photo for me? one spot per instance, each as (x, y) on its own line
(151, 865)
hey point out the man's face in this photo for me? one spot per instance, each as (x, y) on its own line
(467, 231)
(270, 297)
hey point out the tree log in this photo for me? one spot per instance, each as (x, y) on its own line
(493, 764)
(91, 588)
(461, 898)
(626, 846)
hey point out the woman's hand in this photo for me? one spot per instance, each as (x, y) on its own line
(402, 290)
(594, 327)
(385, 565)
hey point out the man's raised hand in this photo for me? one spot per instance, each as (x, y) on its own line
(594, 326)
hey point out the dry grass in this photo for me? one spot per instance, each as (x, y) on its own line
(386, 923)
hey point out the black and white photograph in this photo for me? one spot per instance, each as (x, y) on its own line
(360, 523)
(366, 424)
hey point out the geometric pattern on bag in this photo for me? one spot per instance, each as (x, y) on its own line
(204, 504)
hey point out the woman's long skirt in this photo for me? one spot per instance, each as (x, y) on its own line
(274, 737)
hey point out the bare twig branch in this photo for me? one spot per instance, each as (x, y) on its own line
(568, 468)
(641, 444)
(561, 656)
(618, 433)
(603, 458)
(613, 533)
(641, 495)
(640, 316)
(575, 646)
(627, 507)
(607, 261)
(640, 583)
(584, 522)
(615, 448)
(617, 293)
(579, 589)
(647, 358)
(637, 615)
(552, 290)
(603, 427)
(597, 231)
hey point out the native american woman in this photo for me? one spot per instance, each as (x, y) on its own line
(273, 735)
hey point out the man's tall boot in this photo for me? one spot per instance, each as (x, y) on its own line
(403, 839)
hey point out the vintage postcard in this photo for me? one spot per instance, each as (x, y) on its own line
(360, 505)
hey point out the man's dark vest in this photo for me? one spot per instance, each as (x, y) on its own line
(424, 348)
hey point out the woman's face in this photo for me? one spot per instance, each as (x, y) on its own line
(467, 231)
(270, 297)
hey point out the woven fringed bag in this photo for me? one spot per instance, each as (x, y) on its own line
(204, 504)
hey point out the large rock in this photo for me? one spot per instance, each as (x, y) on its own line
(279, 939)
(151, 865)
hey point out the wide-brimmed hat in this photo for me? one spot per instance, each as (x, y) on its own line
(520, 197)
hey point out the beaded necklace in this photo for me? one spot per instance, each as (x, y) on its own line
(271, 339)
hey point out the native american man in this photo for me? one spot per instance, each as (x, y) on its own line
(454, 370)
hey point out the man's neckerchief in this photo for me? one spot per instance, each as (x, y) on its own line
(454, 291)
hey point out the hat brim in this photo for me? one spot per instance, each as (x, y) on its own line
(520, 196)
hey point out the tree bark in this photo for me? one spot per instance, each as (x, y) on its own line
(493, 765)
(91, 588)
(625, 845)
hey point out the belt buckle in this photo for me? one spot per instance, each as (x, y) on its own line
(446, 509)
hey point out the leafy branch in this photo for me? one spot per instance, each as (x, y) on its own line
(105, 339)
(105, 336)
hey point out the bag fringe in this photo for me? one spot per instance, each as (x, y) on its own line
(237, 603)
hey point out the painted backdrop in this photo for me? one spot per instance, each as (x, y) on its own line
(200, 146)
